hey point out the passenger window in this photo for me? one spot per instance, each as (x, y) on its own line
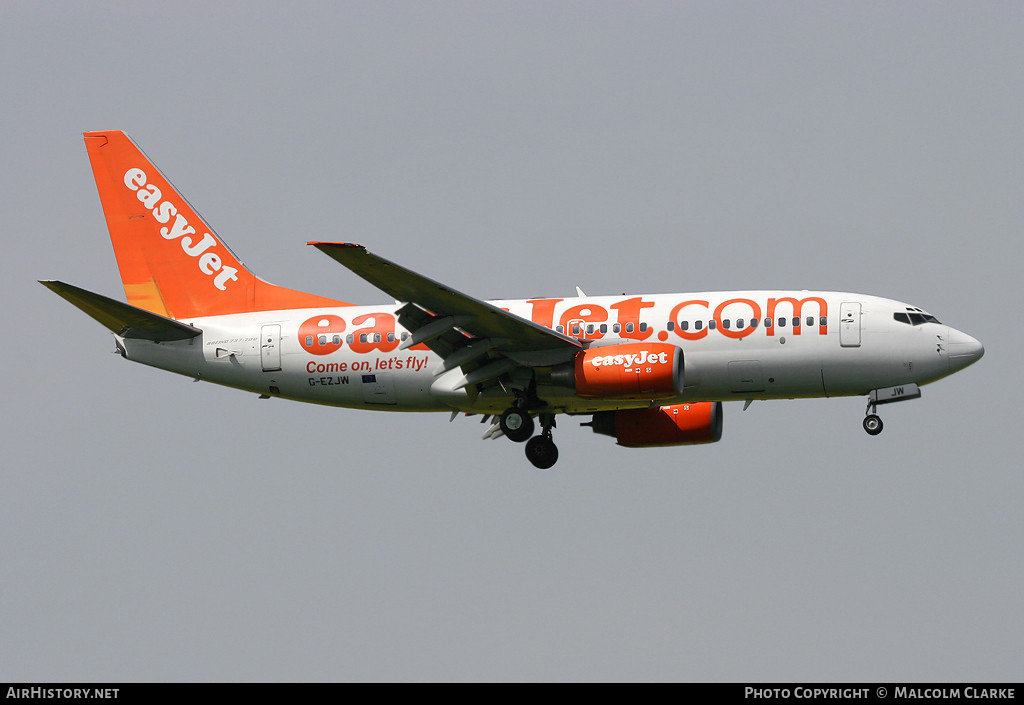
(712, 325)
(391, 337)
(323, 340)
(823, 321)
(376, 338)
(643, 327)
(576, 329)
(629, 327)
(604, 328)
(796, 322)
(560, 329)
(739, 324)
(309, 341)
(362, 337)
(685, 325)
(782, 323)
(671, 326)
(753, 323)
(590, 329)
(349, 339)
(698, 325)
(767, 323)
(337, 340)
(725, 324)
(405, 336)
(810, 320)
(616, 327)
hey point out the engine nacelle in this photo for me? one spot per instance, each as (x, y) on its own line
(675, 425)
(627, 371)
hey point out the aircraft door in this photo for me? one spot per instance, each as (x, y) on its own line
(378, 388)
(270, 347)
(849, 324)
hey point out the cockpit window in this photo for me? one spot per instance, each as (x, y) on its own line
(914, 316)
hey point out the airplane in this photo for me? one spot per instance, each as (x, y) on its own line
(648, 369)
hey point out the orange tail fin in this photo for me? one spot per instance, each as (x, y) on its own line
(171, 262)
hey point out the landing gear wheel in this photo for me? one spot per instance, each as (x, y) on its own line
(516, 424)
(542, 452)
(873, 424)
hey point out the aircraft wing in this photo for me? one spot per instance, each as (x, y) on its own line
(466, 332)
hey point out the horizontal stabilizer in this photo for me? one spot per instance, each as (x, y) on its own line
(121, 318)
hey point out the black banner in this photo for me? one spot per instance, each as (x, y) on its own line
(796, 692)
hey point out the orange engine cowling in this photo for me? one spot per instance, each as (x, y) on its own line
(675, 425)
(627, 371)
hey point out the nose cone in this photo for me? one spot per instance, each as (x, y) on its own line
(963, 350)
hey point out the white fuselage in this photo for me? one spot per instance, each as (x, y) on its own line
(845, 344)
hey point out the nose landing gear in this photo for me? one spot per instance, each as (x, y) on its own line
(872, 422)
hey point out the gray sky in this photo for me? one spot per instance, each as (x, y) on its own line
(157, 529)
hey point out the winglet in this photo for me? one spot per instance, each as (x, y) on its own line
(317, 243)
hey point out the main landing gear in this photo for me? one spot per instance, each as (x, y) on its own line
(518, 426)
(541, 450)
